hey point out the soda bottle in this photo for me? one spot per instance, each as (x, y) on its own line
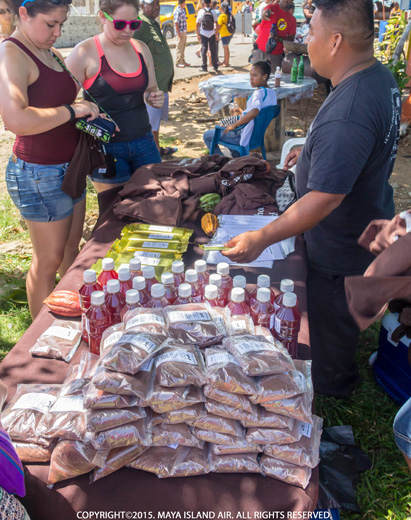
(262, 310)
(115, 301)
(177, 268)
(300, 74)
(262, 281)
(98, 319)
(223, 269)
(132, 302)
(277, 77)
(294, 71)
(184, 294)
(215, 279)
(237, 304)
(139, 283)
(149, 274)
(287, 324)
(203, 276)
(158, 298)
(135, 267)
(89, 286)
(124, 278)
(211, 295)
(285, 286)
(192, 279)
(171, 293)
(108, 273)
(240, 281)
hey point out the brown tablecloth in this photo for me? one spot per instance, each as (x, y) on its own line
(136, 491)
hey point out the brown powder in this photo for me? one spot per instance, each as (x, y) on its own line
(298, 407)
(117, 458)
(224, 410)
(279, 386)
(145, 320)
(100, 420)
(180, 365)
(185, 415)
(208, 421)
(272, 436)
(237, 463)
(289, 473)
(214, 437)
(59, 341)
(163, 399)
(241, 324)
(31, 452)
(235, 400)
(267, 419)
(239, 446)
(96, 399)
(130, 434)
(181, 434)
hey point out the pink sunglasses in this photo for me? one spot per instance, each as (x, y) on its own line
(120, 25)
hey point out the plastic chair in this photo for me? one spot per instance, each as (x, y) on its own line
(261, 122)
(287, 147)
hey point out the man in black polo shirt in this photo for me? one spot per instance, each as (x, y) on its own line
(342, 182)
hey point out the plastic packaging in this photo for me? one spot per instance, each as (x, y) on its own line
(66, 418)
(237, 304)
(239, 446)
(279, 386)
(110, 336)
(277, 77)
(222, 294)
(287, 324)
(149, 276)
(203, 275)
(59, 341)
(96, 399)
(215, 423)
(185, 415)
(132, 302)
(139, 283)
(90, 285)
(138, 432)
(169, 434)
(214, 437)
(229, 412)
(180, 365)
(191, 277)
(235, 400)
(135, 268)
(236, 463)
(286, 285)
(115, 301)
(223, 269)
(98, 318)
(267, 419)
(116, 459)
(182, 234)
(177, 268)
(108, 273)
(278, 436)
(163, 400)
(78, 376)
(137, 242)
(258, 356)
(124, 278)
(262, 310)
(170, 291)
(30, 452)
(241, 324)
(289, 473)
(100, 420)
(145, 320)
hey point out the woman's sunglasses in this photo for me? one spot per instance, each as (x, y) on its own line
(6, 10)
(120, 25)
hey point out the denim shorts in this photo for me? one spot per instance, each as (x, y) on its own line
(35, 190)
(225, 40)
(124, 158)
(402, 429)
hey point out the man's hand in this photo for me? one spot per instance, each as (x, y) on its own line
(292, 158)
(245, 247)
(229, 128)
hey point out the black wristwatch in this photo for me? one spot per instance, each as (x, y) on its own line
(72, 113)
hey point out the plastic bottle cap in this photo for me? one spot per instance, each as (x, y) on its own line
(139, 283)
(289, 299)
(89, 276)
(177, 266)
(149, 272)
(215, 279)
(167, 279)
(134, 264)
(211, 292)
(239, 281)
(191, 276)
(113, 286)
(278, 69)
(223, 268)
(184, 290)
(132, 296)
(263, 295)
(157, 290)
(263, 281)
(237, 295)
(124, 274)
(287, 285)
(200, 266)
(108, 264)
(97, 298)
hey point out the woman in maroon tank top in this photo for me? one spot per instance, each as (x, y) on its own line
(37, 104)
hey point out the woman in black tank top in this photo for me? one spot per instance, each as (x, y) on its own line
(118, 71)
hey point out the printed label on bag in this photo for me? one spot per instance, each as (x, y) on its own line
(165, 229)
(277, 325)
(62, 333)
(142, 319)
(156, 245)
(35, 401)
(244, 347)
(221, 358)
(306, 429)
(178, 316)
(177, 355)
(239, 325)
(115, 336)
(162, 236)
(72, 403)
(146, 254)
(150, 261)
(140, 342)
(147, 366)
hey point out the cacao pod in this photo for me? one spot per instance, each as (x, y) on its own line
(64, 303)
(209, 201)
(209, 224)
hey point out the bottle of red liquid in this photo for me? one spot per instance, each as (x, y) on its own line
(108, 273)
(149, 274)
(89, 286)
(203, 276)
(184, 294)
(139, 283)
(262, 281)
(192, 279)
(132, 302)
(124, 278)
(177, 268)
(240, 281)
(262, 310)
(285, 286)
(237, 303)
(287, 323)
(98, 320)
(222, 298)
(115, 301)
(171, 293)
(211, 295)
(158, 298)
(135, 268)
(223, 269)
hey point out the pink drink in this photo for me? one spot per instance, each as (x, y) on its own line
(115, 301)
(132, 302)
(203, 276)
(223, 269)
(262, 281)
(98, 319)
(135, 268)
(215, 279)
(170, 292)
(262, 310)
(184, 294)
(287, 324)
(108, 273)
(237, 304)
(192, 279)
(211, 295)
(149, 274)
(285, 286)
(157, 299)
(89, 286)
(139, 283)
(240, 281)
(177, 268)
(124, 277)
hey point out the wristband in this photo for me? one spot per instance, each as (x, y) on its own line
(72, 113)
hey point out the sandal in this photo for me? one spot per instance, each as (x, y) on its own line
(164, 152)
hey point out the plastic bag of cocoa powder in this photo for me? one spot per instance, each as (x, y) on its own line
(110, 336)
(180, 365)
(224, 372)
(95, 399)
(59, 341)
(234, 463)
(100, 420)
(289, 473)
(241, 324)
(145, 320)
(224, 410)
(30, 452)
(66, 418)
(265, 419)
(79, 375)
(277, 436)
(138, 432)
(169, 434)
(279, 386)
(238, 446)
(235, 400)
(186, 415)
(117, 459)
(215, 423)
(162, 399)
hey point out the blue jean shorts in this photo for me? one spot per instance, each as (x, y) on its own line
(225, 40)
(124, 158)
(402, 429)
(36, 191)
